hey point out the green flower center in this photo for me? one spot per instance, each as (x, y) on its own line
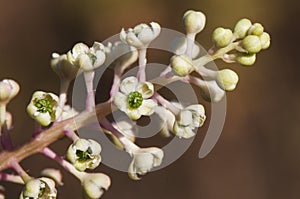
(84, 156)
(92, 57)
(134, 99)
(45, 105)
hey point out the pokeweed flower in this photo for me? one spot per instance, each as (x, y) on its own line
(188, 119)
(168, 119)
(143, 160)
(53, 174)
(44, 108)
(84, 154)
(8, 90)
(141, 35)
(87, 58)
(222, 37)
(94, 185)
(227, 79)
(40, 188)
(133, 98)
(241, 28)
(63, 67)
(194, 21)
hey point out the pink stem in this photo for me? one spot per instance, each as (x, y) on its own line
(141, 75)
(65, 164)
(90, 99)
(11, 178)
(71, 135)
(166, 103)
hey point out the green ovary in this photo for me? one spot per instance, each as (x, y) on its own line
(44, 105)
(134, 99)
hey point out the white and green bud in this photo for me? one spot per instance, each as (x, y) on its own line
(94, 185)
(182, 64)
(8, 90)
(265, 40)
(222, 37)
(63, 67)
(141, 35)
(84, 154)
(44, 108)
(188, 120)
(40, 188)
(194, 21)
(144, 159)
(227, 79)
(53, 174)
(246, 59)
(256, 29)
(251, 44)
(241, 28)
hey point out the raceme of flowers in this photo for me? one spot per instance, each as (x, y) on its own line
(135, 96)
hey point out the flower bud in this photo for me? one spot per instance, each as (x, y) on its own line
(84, 154)
(182, 64)
(193, 21)
(94, 185)
(256, 29)
(265, 40)
(251, 44)
(222, 37)
(8, 90)
(227, 79)
(246, 59)
(241, 28)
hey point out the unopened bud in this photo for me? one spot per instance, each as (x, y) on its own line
(182, 64)
(193, 21)
(222, 37)
(241, 28)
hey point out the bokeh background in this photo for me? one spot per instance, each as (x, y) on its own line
(258, 154)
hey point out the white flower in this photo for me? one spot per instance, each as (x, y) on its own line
(133, 98)
(94, 185)
(87, 58)
(144, 159)
(227, 79)
(194, 21)
(84, 154)
(40, 188)
(188, 119)
(8, 90)
(63, 67)
(44, 108)
(141, 35)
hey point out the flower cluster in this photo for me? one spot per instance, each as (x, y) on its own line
(133, 96)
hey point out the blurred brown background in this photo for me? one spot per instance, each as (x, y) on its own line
(258, 154)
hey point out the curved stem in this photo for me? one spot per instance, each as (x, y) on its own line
(11, 178)
(17, 167)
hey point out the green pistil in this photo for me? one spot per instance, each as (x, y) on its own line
(134, 99)
(92, 57)
(46, 105)
(83, 156)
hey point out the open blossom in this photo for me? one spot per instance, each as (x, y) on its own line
(63, 67)
(87, 58)
(84, 154)
(141, 35)
(44, 108)
(133, 98)
(143, 160)
(188, 119)
(40, 188)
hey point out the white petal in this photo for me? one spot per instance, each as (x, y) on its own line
(147, 107)
(132, 172)
(133, 114)
(185, 118)
(123, 35)
(129, 84)
(44, 119)
(100, 58)
(79, 48)
(120, 101)
(146, 36)
(132, 40)
(146, 89)
(85, 62)
(156, 29)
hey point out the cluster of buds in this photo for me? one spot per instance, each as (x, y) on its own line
(134, 95)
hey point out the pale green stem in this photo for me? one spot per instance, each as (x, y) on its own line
(90, 99)
(141, 75)
(190, 44)
(11, 178)
(17, 167)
